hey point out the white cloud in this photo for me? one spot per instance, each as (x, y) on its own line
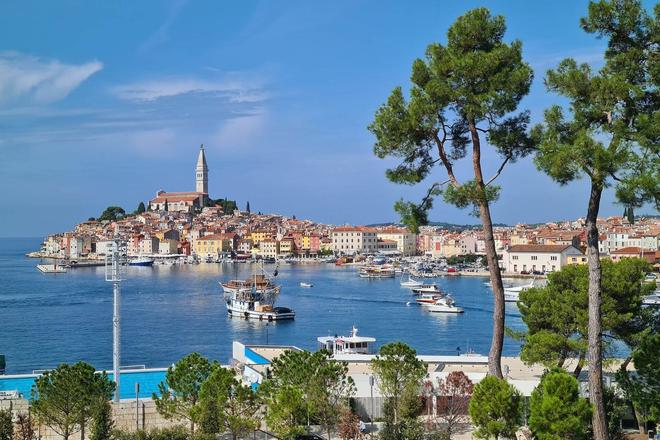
(239, 133)
(236, 90)
(38, 80)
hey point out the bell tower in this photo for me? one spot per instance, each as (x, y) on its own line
(201, 173)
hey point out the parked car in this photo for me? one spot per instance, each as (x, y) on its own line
(537, 272)
(524, 272)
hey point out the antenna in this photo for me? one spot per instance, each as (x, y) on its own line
(115, 267)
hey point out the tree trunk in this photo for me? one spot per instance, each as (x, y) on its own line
(641, 423)
(82, 430)
(595, 350)
(579, 366)
(495, 353)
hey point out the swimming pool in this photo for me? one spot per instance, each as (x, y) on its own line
(147, 378)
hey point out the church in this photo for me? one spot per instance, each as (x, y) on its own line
(186, 201)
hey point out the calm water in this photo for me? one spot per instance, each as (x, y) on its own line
(170, 311)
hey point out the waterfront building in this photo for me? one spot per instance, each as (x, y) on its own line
(103, 247)
(216, 244)
(149, 245)
(351, 240)
(269, 248)
(540, 257)
(168, 246)
(387, 246)
(406, 241)
(287, 246)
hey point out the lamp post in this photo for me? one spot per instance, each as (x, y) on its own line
(113, 273)
(371, 385)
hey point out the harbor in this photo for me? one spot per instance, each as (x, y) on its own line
(171, 310)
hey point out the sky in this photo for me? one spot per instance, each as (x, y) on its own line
(104, 103)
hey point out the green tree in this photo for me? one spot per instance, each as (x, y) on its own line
(179, 394)
(461, 95)
(112, 213)
(557, 411)
(247, 207)
(643, 386)
(611, 136)
(225, 404)
(63, 398)
(322, 381)
(616, 409)
(286, 410)
(140, 209)
(399, 375)
(6, 425)
(495, 408)
(556, 315)
(102, 424)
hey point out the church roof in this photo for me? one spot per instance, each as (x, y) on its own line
(201, 158)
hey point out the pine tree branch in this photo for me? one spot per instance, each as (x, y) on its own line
(499, 171)
(443, 155)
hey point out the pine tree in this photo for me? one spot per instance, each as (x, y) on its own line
(6, 425)
(102, 424)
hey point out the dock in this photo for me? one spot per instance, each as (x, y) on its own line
(51, 268)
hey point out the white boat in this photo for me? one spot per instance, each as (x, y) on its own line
(444, 305)
(306, 285)
(256, 299)
(353, 344)
(410, 283)
(51, 268)
(427, 288)
(512, 294)
(427, 299)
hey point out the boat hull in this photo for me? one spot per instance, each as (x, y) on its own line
(277, 314)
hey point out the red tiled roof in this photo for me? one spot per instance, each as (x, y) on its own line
(632, 250)
(539, 248)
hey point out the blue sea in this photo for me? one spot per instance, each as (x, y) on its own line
(170, 311)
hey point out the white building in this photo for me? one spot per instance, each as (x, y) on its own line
(149, 246)
(540, 257)
(351, 240)
(168, 246)
(406, 241)
(104, 247)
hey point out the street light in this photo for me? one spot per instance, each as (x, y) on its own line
(371, 385)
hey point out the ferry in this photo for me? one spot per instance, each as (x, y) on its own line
(141, 261)
(353, 344)
(255, 299)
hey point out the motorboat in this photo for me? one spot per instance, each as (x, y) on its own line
(512, 294)
(306, 285)
(427, 299)
(51, 268)
(141, 261)
(426, 288)
(411, 283)
(445, 304)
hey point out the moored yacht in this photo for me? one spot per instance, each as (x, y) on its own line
(141, 261)
(426, 288)
(445, 304)
(377, 272)
(512, 294)
(411, 283)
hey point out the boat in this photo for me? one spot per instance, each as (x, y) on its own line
(51, 268)
(426, 288)
(141, 261)
(410, 283)
(353, 344)
(512, 294)
(255, 299)
(376, 272)
(444, 305)
(427, 299)
(307, 285)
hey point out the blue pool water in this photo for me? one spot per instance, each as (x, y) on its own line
(148, 380)
(170, 311)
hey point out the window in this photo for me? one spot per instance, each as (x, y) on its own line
(515, 257)
(534, 257)
(553, 258)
